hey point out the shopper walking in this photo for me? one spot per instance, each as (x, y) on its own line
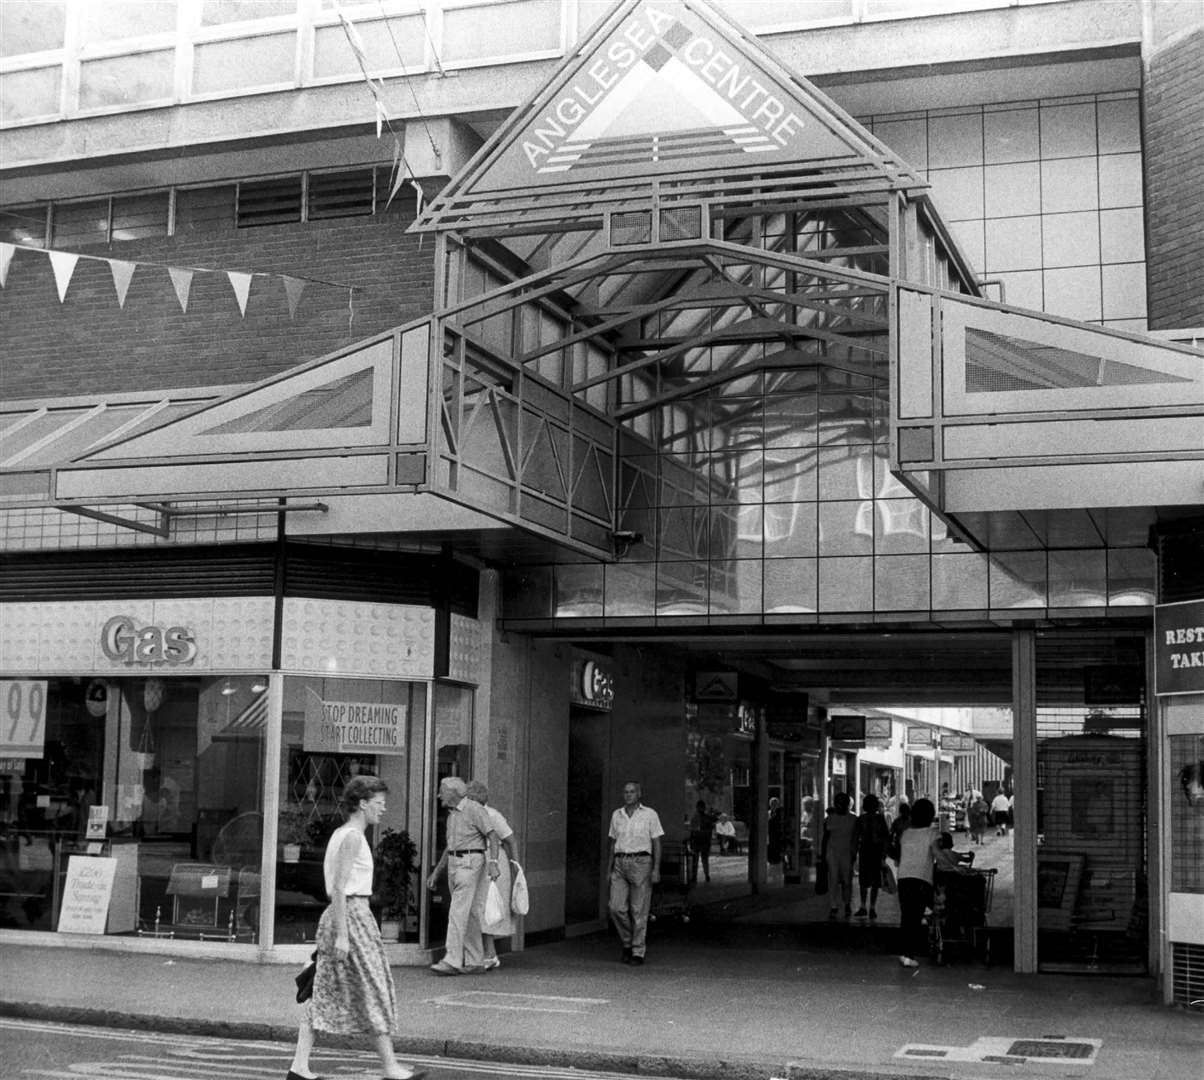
(870, 840)
(353, 992)
(839, 849)
(702, 821)
(635, 866)
(470, 855)
(916, 854)
(507, 856)
(1001, 812)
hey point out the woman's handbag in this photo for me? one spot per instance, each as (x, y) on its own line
(305, 979)
(520, 901)
(889, 882)
(496, 912)
(821, 878)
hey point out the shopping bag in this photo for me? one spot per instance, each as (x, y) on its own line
(496, 911)
(889, 882)
(305, 979)
(821, 878)
(520, 901)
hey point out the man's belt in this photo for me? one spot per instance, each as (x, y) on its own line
(632, 854)
(468, 851)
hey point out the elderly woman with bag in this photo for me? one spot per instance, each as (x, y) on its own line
(503, 925)
(353, 991)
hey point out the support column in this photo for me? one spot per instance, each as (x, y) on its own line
(1024, 785)
(758, 868)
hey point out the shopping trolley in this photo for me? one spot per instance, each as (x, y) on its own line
(671, 895)
(960, 905)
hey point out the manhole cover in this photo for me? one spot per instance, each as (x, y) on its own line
(1049, 1048)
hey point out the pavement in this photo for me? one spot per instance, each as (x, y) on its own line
(721, 996)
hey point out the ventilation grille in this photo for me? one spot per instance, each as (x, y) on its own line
(633, 227)
(343, 194)
(269, 202)
(1188, 975)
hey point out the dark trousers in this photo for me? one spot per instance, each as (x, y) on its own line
(915, 895)
(700, 848)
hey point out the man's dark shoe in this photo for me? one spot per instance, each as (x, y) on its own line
(637, 961)
(626, 956)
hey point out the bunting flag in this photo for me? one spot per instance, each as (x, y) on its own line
(122, 273)
(293, 288)
(181, 279)
(63, 263)
(241, 284)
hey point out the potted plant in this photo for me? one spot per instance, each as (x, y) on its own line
(291, 832)
(396, 865)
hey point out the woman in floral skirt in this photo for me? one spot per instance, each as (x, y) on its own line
(353, 987)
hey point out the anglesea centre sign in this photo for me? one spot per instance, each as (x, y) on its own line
(665, 90)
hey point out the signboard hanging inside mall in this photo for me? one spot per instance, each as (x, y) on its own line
(353, 727)
(1179, 648)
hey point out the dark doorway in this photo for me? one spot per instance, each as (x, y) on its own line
(589, 747)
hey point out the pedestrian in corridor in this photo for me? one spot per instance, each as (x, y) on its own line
(353, 991)
(1001, 809)
(872, 836)
(839, 849)
(470, 855)
(919, 848)
(702, 821)
(635, 866)
(507, 855)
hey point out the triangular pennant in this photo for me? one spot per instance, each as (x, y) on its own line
(63, 263)
(382, 116)
(122, 273)
(293, 287)
(181, 279)
(241, 284)
(418, 191)
(667, 87)
(6, 257)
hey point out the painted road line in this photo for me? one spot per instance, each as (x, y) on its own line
(494, 999)
(1048, 1049)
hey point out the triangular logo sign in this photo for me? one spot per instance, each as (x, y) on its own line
(668, 87)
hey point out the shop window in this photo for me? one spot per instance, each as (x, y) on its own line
(161, 778)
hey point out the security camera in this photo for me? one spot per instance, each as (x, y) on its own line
(625, 540)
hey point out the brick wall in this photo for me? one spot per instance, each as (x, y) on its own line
(88, 344)
(1174, 163)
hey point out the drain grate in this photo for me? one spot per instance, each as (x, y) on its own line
(1050, 1048)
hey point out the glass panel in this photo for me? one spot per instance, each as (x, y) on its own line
(474, 33)
(955, 140)
(1010, 135)
(1187, 813)
(578, 591)
(267, 60)
(1077, 579)
(24, 225)
(681, 588)
(220, 12)
(846, 528)
(630, 589)
(78, 224)
(846, 584)
(1068, 130)
(32, 26)
(901, 583)
(1018, 579)
(959, 582)
(205, 208)
(791, 529)
(344, 403)
(115, 19)
(1012, 190)
(389, 44)
(27, 94)
(791, 585)
(1069, 184)
(135, 217)
(1071, 239)
(1132, 575)
(1074, 293)
(320, 753)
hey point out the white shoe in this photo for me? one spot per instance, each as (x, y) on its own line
(908, 962)
(491, 962)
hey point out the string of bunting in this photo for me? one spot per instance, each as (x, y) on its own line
(63, 264)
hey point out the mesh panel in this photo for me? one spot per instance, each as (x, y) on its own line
(634, 227)
(682, 223)
(997, 362)
(1188, 961)
(1187, 813)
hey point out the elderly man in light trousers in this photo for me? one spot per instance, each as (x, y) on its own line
(635, 866)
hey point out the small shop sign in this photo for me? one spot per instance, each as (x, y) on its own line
(23, 720)
(87, 893)
(1179, 648)
(353, 727)
(592, 685)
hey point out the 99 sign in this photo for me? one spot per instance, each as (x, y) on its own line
(23, 726)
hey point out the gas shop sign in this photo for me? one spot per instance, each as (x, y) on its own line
(353, 727)
(123, 641)
(1179, 648)
(592, 685)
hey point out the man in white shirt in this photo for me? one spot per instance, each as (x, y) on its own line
(1001, 811)
(635, 866)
